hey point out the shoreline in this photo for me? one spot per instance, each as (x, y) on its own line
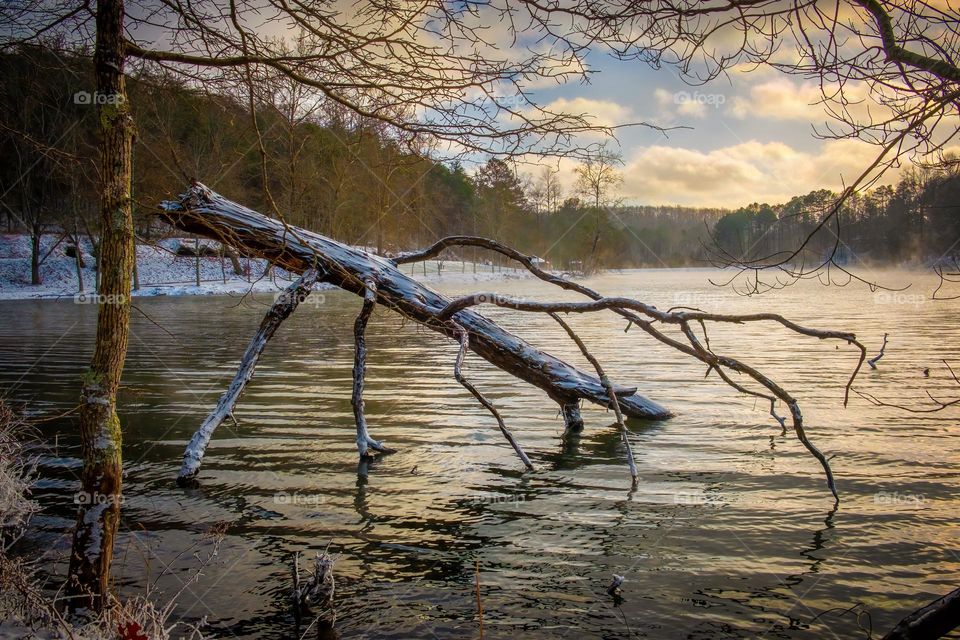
(163, 273)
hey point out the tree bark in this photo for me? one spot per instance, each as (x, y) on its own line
(100, 494)
(36, 233)
(78, 255)
(234, 260)
(205, 212)
(364, 441)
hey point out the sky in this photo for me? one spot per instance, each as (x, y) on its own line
(746, 137)
(750, 135)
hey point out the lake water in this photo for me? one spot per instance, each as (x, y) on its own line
(730, 534)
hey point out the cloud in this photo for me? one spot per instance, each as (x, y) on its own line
(779, 99)
(687, 103)
(737, 175)
(605, 113)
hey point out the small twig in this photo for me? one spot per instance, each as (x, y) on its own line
(874, 360)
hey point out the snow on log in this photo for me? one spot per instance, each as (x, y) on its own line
(202, 211)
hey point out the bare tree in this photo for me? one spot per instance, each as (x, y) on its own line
(379, 281)
(422, 68)
(888, 72)
(597, 179)
(549, 183)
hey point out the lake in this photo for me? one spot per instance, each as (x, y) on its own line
(731, 532)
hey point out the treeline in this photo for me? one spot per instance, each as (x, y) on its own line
(348, 177)
(361, 182)
(917, 221)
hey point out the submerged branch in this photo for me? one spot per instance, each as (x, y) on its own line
(284, 305)
(464, 338)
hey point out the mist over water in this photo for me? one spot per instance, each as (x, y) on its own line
(730, 534)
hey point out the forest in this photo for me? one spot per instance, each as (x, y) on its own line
(361, 181)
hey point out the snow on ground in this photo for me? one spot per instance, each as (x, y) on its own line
(163, 273)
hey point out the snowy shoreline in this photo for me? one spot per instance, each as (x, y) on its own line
(164, 273)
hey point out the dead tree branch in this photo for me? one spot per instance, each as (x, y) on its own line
(207, 213)
(874, 360)
(935, 620)
(694, 348)
(938, 405)
(605, 381)
(464, 338)
(364, 441)
(284, 305)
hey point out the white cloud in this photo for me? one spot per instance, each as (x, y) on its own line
(692, 104)
(737, 175)
(604, 113)
(779, 99)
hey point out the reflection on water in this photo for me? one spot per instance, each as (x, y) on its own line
(729, 534)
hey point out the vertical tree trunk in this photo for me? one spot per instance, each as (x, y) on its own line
(234, 260)
(99, 499)
(36, 233)
(136, 272)
(78, 255)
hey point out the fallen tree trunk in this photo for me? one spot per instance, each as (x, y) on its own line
(204, 212)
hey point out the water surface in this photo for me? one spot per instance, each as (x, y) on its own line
(730, 534)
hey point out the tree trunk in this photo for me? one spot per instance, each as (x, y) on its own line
(36, 233)
(100, 495)
(78, 255)
(136, 272)
(234, 260)
(207, 213)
